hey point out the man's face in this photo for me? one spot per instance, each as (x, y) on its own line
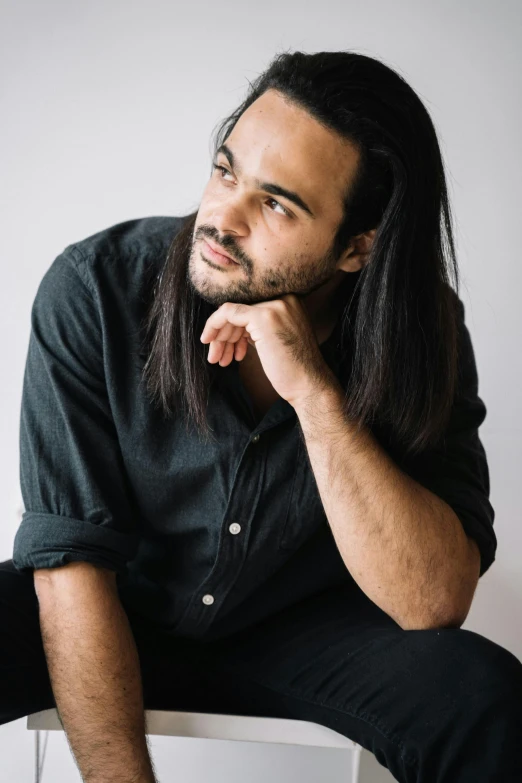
(280, 247)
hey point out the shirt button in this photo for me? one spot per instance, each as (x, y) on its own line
(255, 438)
(234, 528)
(208, 599)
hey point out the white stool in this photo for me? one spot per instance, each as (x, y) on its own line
(240, 728)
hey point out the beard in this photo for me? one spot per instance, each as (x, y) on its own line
(237, 284)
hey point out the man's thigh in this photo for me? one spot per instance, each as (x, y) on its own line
(430, 704)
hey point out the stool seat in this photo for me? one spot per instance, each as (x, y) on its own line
(204, 725)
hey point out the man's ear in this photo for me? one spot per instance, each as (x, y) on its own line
(356, 254)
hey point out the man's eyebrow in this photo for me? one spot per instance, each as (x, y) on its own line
(270, 187)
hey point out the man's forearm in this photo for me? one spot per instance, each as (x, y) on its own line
(403, 545)
(95, 674)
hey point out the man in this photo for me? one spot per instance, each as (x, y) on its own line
(316, 556)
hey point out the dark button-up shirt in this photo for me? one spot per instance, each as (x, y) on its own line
(206, 538)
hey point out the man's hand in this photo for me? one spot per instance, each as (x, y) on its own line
(284, 339)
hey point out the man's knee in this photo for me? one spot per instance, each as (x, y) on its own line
(469, 663)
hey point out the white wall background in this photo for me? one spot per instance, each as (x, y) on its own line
(107, 110)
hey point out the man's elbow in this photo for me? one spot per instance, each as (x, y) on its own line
(431, 624)
(468, 582)
(456, 608)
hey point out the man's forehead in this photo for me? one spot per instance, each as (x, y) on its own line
(286, 145)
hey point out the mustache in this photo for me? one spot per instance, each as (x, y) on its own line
(229, 250)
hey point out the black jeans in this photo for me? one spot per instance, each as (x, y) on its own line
(432, 706)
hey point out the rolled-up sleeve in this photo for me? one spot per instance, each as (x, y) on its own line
(77, 498)
(458, 470)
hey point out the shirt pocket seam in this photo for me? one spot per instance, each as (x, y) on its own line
(288, 535)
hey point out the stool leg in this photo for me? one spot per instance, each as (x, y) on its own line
(37, 756)
(39, 753)
(356, 761)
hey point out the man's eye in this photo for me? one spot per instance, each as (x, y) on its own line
(221, 168)
(285, 211)
(226, 171)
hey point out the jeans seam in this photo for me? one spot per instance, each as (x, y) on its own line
(328, 705)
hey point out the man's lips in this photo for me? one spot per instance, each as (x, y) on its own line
(218, 249)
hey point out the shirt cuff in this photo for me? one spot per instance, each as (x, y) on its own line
(50, 540)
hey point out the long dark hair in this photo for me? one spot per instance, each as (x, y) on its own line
(401, 317)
